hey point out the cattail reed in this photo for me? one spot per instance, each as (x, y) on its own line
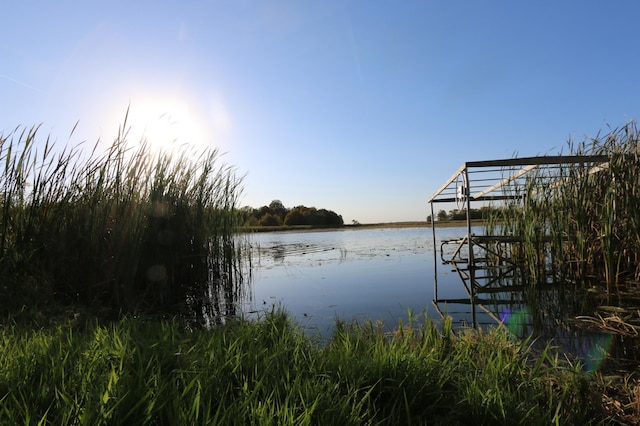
(122, 228)
(581, 221)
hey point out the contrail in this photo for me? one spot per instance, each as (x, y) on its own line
(356, 58)
(354, 48)
(21, 83)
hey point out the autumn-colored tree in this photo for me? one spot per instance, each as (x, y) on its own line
(277, 214)
(270, 220)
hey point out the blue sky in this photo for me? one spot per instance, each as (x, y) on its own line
(361, 107)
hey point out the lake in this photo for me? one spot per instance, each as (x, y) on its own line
(347, 274)
(382, 273)
(367, 273)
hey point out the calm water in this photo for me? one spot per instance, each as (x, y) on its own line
(353, 274)
(380, 274)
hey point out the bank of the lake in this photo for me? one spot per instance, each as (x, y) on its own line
(149, 371)
(409, 224)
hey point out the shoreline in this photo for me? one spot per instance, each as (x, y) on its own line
(381, 225)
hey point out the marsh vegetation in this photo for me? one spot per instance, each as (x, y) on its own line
(590, 213)
(580, 224)
(117, 229)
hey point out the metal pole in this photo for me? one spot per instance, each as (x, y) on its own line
(435, 255)
(466, 190)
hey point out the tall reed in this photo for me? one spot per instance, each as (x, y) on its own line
(583, 220)
(123, 228)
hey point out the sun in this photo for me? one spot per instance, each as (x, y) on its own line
(167, 125)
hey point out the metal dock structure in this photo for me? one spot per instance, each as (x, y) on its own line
(486, 263)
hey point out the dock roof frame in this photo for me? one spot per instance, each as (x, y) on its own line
(504, 171)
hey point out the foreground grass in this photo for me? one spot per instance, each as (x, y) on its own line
(138, 371)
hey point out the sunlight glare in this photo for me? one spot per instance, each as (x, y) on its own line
(166, 125)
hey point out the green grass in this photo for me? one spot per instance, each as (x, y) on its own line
(141, 371)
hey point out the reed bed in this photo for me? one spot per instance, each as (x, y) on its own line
(142, 371)
(581, 221)
(579, 225)
(121, 229)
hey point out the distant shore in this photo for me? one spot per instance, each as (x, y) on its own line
(414, 224)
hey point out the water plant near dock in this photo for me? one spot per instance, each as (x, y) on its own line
(581, 221)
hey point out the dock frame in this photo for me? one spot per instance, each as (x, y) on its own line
(484, 262)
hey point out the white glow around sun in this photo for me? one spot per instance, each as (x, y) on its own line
(166, 125)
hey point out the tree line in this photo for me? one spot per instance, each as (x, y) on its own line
(276, 214)
(461, 214)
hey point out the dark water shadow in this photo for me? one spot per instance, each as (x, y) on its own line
(571, 317)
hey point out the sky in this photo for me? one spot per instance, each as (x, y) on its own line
(361, 107)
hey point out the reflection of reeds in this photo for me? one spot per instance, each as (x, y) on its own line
(124, 228)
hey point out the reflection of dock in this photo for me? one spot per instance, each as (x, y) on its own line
(492, 280)
(490, 267)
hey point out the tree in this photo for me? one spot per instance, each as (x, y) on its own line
(270, 220)
(276, 205)
(277, 214)
(458, 214)
(442, 215)
(278, 209)
(328, 217)
(294, 217)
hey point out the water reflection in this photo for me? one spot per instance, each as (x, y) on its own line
(347, 274)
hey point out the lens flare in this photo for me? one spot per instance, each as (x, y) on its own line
(592, 349)
(595, 351)
(516, 321)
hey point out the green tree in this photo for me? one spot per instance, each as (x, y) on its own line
(294, 217)
(328, 217)
(276, 208)
(270, 220)
(458, 214)
(277, 214)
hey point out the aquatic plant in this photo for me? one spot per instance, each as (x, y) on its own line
(579, 221)
(122, 228)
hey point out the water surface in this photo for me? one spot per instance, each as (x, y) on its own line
(376, 274)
